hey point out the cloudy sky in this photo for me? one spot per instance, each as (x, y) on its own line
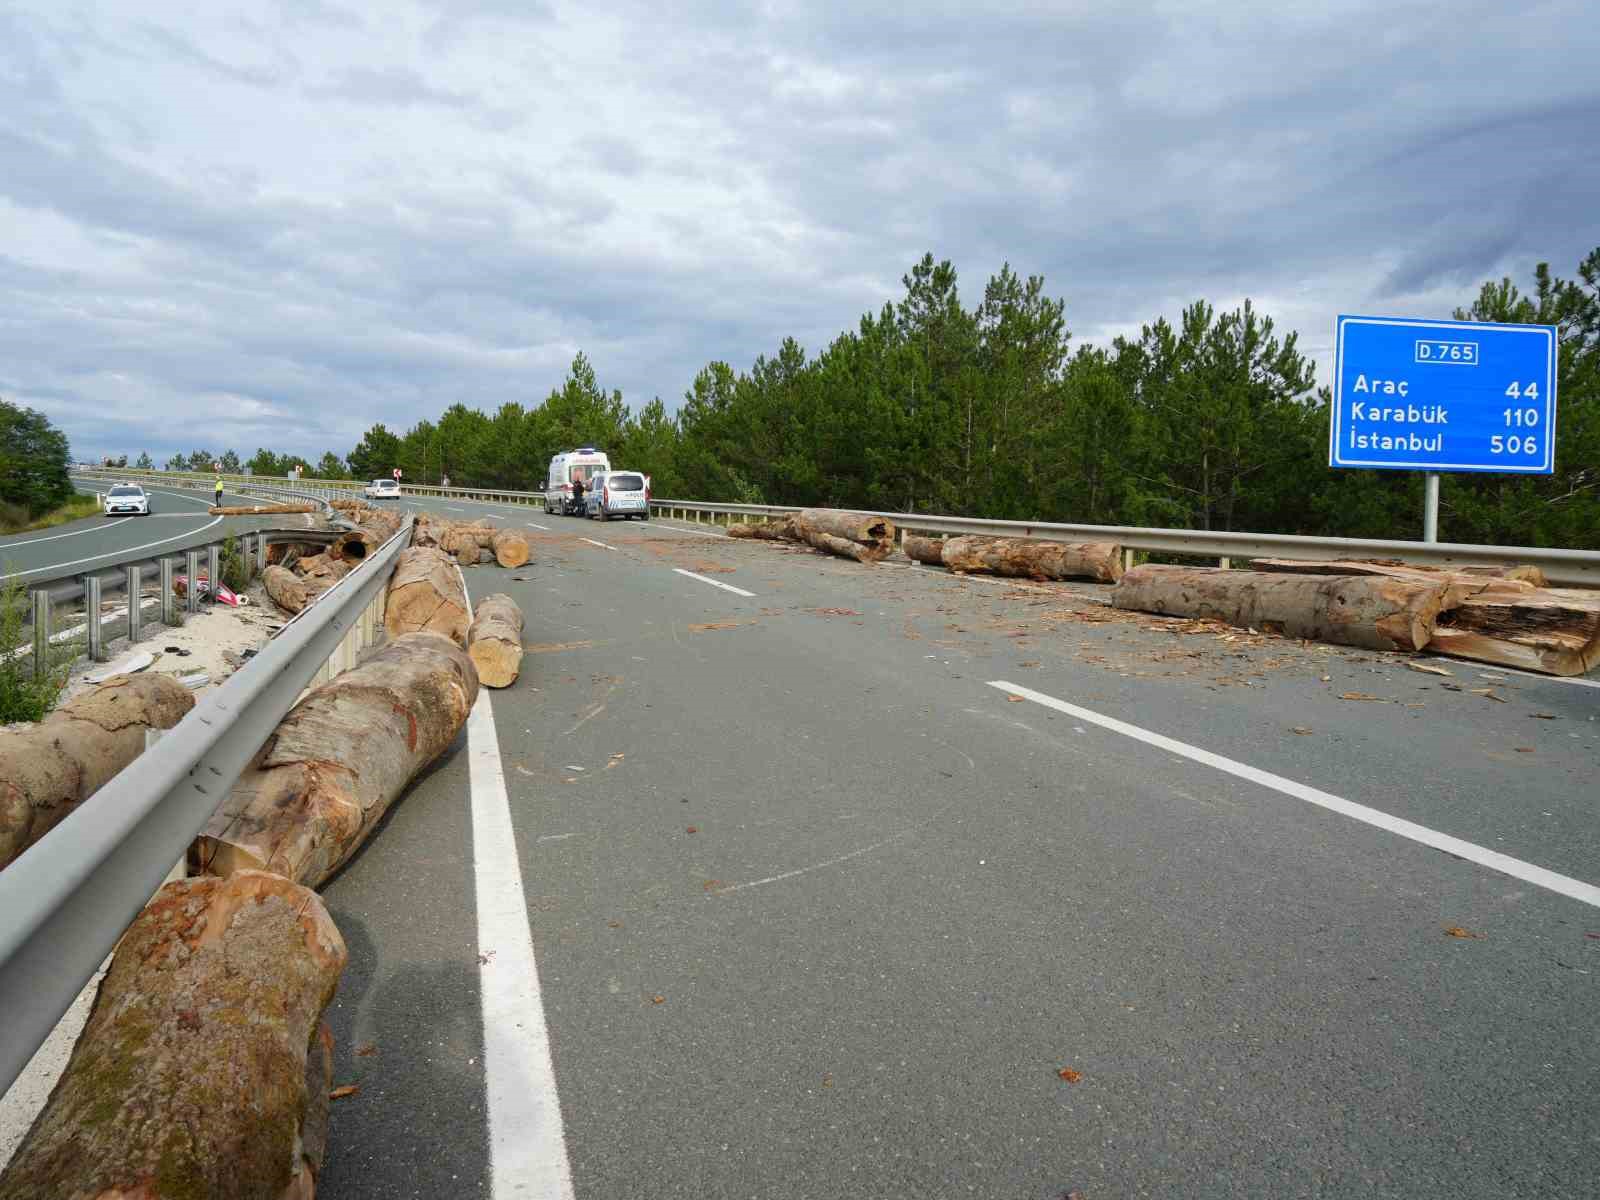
(274, 223)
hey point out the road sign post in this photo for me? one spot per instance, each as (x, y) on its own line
(1443, 396)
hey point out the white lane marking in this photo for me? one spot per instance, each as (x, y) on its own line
(592, 542)
(527, 1145)
(832, 862)
(727, 587)
(531, 525)
(1495, 670)
(74, 533)
(116, 554)
(453, 508)
(685, 529)
(1564, 885)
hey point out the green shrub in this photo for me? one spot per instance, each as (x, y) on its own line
(235, 566)
(26, 695)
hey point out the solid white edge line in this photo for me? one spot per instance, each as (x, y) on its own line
(665, 523)
(727, 587)
(1564, 885)
(115, 554)
(531, 525)
(527, 1144)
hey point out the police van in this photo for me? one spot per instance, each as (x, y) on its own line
(583, 463)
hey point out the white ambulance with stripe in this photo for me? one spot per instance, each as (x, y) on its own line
(583, 463)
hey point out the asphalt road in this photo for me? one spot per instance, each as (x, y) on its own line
(178, 519)
(819, 911)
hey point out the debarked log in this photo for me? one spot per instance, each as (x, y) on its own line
(202, 1070)
(338, 760)
(495, 640)
(1034, 558)
(48, 769)
(426, 592)
(287, 590)
(861, 536)
(1378, 613)
(1555, 631)
(781, 530)
(922, 549)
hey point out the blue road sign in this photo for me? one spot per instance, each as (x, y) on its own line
(1443, 396)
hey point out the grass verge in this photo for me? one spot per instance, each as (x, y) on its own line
(14, 518)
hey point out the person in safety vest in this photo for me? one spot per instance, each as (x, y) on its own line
(218, 491)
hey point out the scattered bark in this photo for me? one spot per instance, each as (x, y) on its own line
(257, 510)
(425, 592)
(1555, 631)
(329, 772)
(48, 769)
(287, 590)
(781, 530)
(495, 640)
(1034, 558)
(861, 536)
(1378, 613)
(200, 1071)
(1462, 581)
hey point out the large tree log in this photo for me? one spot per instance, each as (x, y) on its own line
(1378, 613)
(495, 640)
(48, 769)
(865, 538)
(1463, 581)
(256, 510)
(202, 1069)
(510, 548)
(287, 590)
(425, 592)
(781, 530)
(928, 550)
(1555, 631)
(1033, 558)
(333, 766)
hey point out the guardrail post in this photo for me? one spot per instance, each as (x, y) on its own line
(1224, 562)
(134, 586)
(214, 568)
(1127, 558)
(91, 614)
(191, 566)
(169, 598)
(41, 632)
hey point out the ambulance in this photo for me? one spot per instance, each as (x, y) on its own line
(583, 463)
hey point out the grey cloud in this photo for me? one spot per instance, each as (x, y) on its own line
(389, 85)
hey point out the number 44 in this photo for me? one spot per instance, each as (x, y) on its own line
(1531, 392)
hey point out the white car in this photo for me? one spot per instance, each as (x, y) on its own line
(383, 489)
(127, 498)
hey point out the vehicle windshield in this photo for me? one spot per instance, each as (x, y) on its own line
(625, 483)
(385, 483)
(126, 491)
(585, 472)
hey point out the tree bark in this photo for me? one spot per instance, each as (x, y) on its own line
(771, 531)
(48, 769)
(510, 548)
(1555, 631)
(928, 550)
(333, 766)
(865, 538)
(425, 592)
(1465, 580)
(495, 640)
(198, 1072)
(1377, 613)
(1034, 558)
(287, 590)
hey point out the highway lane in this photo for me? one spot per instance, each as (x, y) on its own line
(908, 901)
(178, 519)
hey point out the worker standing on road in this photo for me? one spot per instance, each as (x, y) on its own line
(218, 491)
(577, 492)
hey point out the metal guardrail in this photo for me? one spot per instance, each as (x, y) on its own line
(1579, 568)
(69, 897)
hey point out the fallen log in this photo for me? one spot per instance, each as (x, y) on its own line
(1555, 631)
(510, 548)
(1033, 558)
(257, 510)
(285, 554)
(1378, 613)
(495, 640)
(1464, 580)
(781, 530)
(865, 538)
(48, 769)
(287, 590)
(928, 550)
(202, 1068)
(333, 766)
(425, 592)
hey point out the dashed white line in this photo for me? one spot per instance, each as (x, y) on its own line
(527, 1145)
(592, 542)
(453, 508)
(1565, 885)
(531, 525)
(689, 529)
(717, 583)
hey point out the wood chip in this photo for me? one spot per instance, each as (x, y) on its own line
(1300, 729)
(1428, 668)
(1456, 931)
(1544, 716)
(658, 999)
(345, 1092)
(1359, 696)
(1487, 694)
(1069, 1075)
(1015, 699)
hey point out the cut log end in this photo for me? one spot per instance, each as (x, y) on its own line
(495, 641)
